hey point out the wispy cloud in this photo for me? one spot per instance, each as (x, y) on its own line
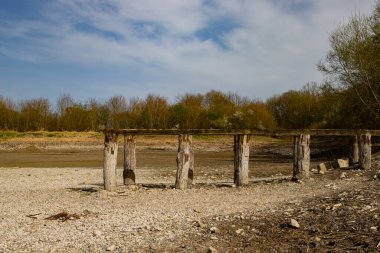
(257, 48)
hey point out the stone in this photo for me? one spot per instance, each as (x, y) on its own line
(97, 233)
(214, 238)
(239, 231)
(293, 223)
(373, 229)
(200, 224)
(322, 168)
(378, 245)
(343, 163)
(111, 248)
(212, 250)
(214, 230)
(343, 175)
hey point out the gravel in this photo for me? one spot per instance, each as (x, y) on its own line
(130, 219)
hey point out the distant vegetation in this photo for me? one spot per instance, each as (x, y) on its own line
(349, 98)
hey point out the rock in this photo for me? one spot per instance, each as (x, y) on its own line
(214, 238)
(200, 224)
(97, 233)
(377, 175)
(214, 230)
(343, 175)
(212, 250)
(378, 245)
(111, 248)
(343, 163)
(133, 187)
(239, 231)
(317, 239)
(293, 223)
(322, 168)
(373, 229)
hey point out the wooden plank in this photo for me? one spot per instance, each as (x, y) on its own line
(295, 132)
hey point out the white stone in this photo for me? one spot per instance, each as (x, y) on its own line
(97, 233)
(212, 250)
(343, 163)
(111, 248)
(322, 168)
(293, 223)
(214, 230)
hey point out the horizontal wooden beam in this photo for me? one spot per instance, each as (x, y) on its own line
(295, 132)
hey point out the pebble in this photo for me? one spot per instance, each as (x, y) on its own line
(214, 238)
(212, 250)
(97, 233)
(214, 230)
(200, 224)
(111, 248)
(293, 223)
(373, 229)
(239, 231)
(343, 175)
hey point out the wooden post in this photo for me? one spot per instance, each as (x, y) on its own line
(183, 161)
(241, 159)
(365, 151)
(191, 166)
(129, 160)
(110, 161)
(301, 157)
(354, 151)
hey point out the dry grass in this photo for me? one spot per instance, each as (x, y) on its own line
(97, 137)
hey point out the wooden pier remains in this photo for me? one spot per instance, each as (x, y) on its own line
(360, 151)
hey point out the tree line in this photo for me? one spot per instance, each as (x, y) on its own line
(211, 110)
(348, 98)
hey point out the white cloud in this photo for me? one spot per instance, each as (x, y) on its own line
(273, 47)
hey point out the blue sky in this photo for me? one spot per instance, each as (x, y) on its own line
(101, 48)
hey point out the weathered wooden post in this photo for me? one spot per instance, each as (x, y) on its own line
(110, 161)
(365, 151)
(301, 157)
(191, 166)
(241, 159)
(183, 161)
(354, 151)
(129, 160)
